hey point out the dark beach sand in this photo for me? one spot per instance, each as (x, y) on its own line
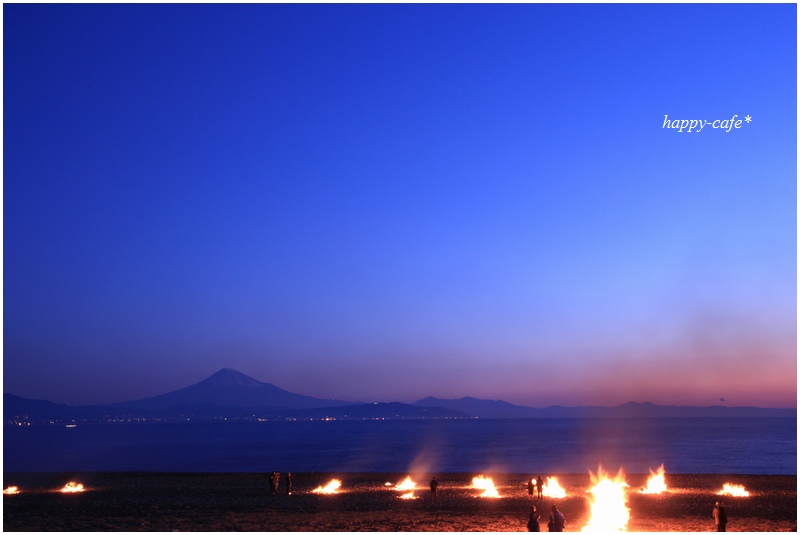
(242, 502)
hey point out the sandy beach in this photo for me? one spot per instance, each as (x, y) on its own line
(167, 502)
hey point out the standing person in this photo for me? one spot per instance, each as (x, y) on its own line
(288, 483)
(530, 489)
(434, 486)
(276, 479)
(539, 485)
(533, 519)
(556, 522)
(720, 516)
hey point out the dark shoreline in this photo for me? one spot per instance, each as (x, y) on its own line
(156, 501)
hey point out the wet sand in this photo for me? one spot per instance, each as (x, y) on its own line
(165, 502)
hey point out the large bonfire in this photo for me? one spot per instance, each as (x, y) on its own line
(608, 508)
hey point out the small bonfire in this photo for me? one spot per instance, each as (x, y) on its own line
(656, 483)
(729, 489)
(331, 488)
(11, 490)
(72, 487)
(486, 485)
(409, 486)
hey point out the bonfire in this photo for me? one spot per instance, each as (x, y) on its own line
(486, 485)
(407, 485)
(72, 487)
(656, 484)
(331, 488)
(552, 489)
(733, 490)
(608, 509)
(11, 490)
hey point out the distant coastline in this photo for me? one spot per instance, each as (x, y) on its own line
(231, 395)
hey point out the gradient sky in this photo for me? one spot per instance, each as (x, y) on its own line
(386, 202)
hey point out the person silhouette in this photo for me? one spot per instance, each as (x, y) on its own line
(276, 479)
(556, 522)
(720, 516)
(539, 486)
(434, 486)
(533, 519)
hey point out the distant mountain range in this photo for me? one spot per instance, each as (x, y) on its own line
(229, 394)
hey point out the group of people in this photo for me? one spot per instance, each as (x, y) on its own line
(275, 481)
(554, 523)
(536, 484)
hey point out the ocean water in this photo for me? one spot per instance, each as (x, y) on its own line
(683, 445)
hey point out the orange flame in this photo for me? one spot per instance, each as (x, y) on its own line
(656, 484)
(331, 488)
(73, 487)
(733, 490)
(409, 485)
(609, 512)
(11, 490)
(552, 489)
(486, 485)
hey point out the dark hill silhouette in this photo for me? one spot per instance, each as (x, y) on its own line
(230, 388)
(366, 411)
(483, 408)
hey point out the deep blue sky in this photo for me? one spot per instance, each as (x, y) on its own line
(386, 202)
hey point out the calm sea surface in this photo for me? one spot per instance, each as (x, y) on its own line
(691, 445)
